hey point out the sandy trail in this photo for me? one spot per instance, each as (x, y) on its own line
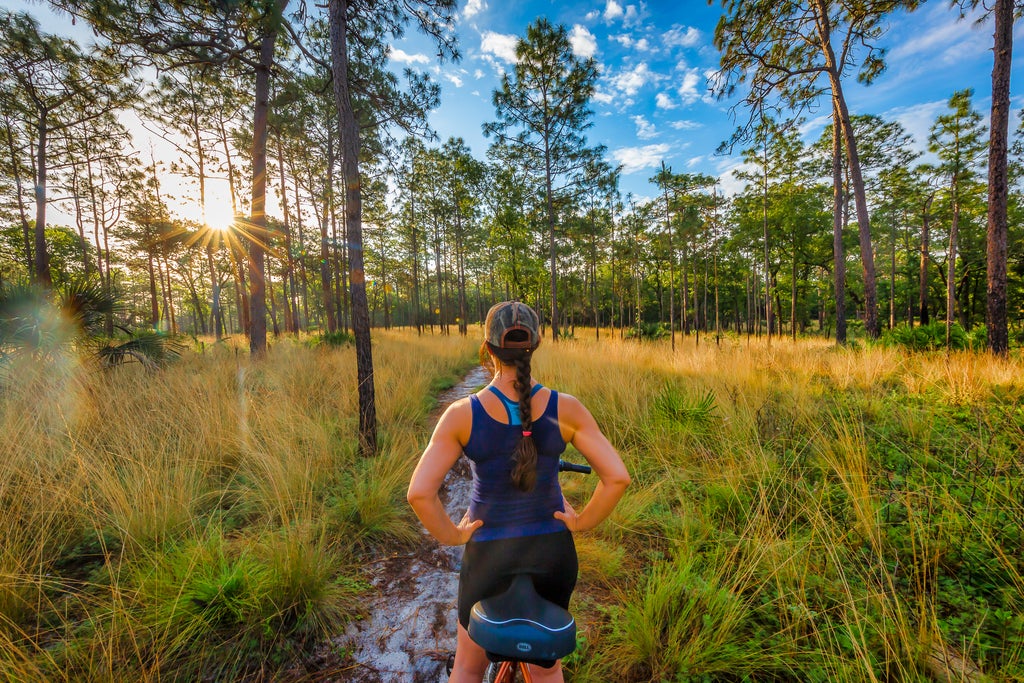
(410, 629)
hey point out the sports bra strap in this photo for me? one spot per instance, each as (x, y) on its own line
(512, 407)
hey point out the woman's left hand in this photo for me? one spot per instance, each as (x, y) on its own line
(569, 517)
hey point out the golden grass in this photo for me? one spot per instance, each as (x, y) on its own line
(121, 491)
(779, 495)
(771, 532)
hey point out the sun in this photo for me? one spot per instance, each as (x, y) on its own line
(219, 215)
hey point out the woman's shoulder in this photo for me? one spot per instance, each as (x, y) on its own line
(570, 408)
(459, 409)
(457, 419)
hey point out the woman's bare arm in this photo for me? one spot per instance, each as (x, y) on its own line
(601, 455)
(441, 453)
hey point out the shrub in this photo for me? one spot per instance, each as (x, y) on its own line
(648, 331)
(931, 337)
(334, 339)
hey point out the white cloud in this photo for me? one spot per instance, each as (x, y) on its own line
(943, 38)
(690, 163)
(501, 45)
(683, 124)
(454, 79)
(730, 184)
(664, 101)
(602, 97)
(473, 7)
(593, 14)
(635, 159)
(627, 41)
(644, 128)
(631, 15)
(814, 127)
(404, 57)
(583, 42)
(917, 120)
(632, 80)
(681, 36)
(688, 88)
(612, 10)
(478, 74)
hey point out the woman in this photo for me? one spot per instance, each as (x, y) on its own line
(513, 433)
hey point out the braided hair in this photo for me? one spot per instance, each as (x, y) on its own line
(524, 457)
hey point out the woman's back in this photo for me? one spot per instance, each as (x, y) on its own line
(505, 510)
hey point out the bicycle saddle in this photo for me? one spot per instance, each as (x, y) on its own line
(521, 625)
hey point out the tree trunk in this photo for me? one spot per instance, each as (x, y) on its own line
(291, 308)
(460, 270)
(684, 299)
(998, 190)
(26, 230)
(326, 285)
(838, 254)
(153, 300)
(951, 268)
(273, 303)
(671, 266)
(415, 261)
(551, 240)
(303, 275)
(79, 221)
(892, 276)
(42, 274)
(856, 178)
(216, 315)
(258, 220)
(349, 131)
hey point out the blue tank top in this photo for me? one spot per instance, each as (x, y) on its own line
(506, 511)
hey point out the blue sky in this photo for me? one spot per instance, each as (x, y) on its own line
(652, 101)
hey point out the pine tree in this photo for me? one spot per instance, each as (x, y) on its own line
(542, 113)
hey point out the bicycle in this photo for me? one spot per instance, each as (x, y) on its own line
(519, 627)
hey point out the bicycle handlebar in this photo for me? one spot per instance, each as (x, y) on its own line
(566, 466)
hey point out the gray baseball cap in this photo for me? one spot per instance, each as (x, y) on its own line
(512, 325)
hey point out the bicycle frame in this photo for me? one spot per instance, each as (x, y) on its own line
(507, 672)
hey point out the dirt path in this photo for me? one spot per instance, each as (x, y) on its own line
(411, 625)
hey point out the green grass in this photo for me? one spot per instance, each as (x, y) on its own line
(800, 512)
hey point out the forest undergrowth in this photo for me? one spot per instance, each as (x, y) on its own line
(206, 521)
(798, 512)
(802, 512)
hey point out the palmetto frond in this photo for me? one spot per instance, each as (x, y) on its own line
(38, 323)
(151, 349)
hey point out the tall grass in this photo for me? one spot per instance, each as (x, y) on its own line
(204, 521)
(801, 512)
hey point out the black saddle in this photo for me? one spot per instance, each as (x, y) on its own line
(520, 625)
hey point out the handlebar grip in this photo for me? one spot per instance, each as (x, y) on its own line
(566, 466)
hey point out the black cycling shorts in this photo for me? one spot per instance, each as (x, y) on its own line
(488, 568)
